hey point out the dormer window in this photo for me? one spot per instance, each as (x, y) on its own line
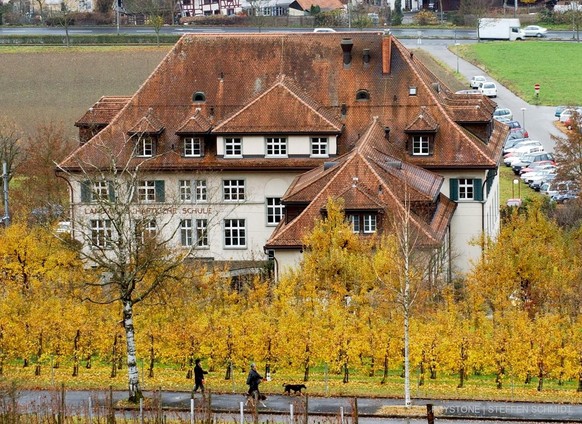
(199, 97)
(412, 90)
(193, 147)
(362, 95)
(365, 222)
(233, 147)
(421, 145)
(145, 146)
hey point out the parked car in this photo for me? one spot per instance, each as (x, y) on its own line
(324, 30)
(537, 176)
(514, 124)
(512, 142)
(566, 196)
(559, 110)
(542, 158)
(537, 185)
(535, 166)
(474, 83)
(503, 112)
(568, 113)
(518, 133)
(513, 157)
(522, 144)
(488, 89)
(535, 31)
(552, 188)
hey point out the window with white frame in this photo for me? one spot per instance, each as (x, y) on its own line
(466, 189)
(369, 223)
(233, 147)
(201, 191)
(235, 233)
(185, 190)
(354, 221)
(420, 145)
(276, 146)
(145, 146)
(233, 190)
(319, 146)
(101, 233)
(193, 190)
(194, 232)
(186, 232)
(146, 191)
(201, 233)
(275, 210)
(193, 147)
(146, 229)
(100, 191)
(363, 222)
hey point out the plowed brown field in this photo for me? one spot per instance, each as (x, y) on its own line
(39, 84)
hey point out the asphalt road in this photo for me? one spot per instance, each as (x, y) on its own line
(449, 34)
(228, 406)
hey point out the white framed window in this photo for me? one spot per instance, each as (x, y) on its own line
(420, 145)
(233, 190)
(194, 232)
(354, 221)
(369, 223)
(101, 233)
(146, 191)
(185, 190)
(100, 191)
(276, 146)
(319, 146)
(193, 147)
(201, 190)
(235, 233)
(145, 146)
(275, 210)
(186, 232)
(201, 233)
(193, 190)
(233, 147)
(466, 191)
(146, 229)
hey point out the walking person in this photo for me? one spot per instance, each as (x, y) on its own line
(198, 377)
(253, 381)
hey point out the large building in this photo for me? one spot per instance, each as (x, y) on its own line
(240, 139)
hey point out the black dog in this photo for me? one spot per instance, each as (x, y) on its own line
(296, 388)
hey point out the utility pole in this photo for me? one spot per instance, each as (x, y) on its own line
(6, 218)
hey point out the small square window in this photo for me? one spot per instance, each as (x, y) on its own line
(234, 233)
(319, 147)
(193, 147)
(420, 145)
(233, 147)
(466, 189)
(145, 146)
(276, 146)
(274, 210)
(233, 190)
(412, 90)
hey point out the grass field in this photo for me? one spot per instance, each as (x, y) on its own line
(520, 65)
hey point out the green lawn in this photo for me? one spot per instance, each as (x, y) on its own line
(519, 65)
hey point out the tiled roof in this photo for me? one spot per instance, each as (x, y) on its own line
(103, 111)
(293, 83)
(282, 108)
(369, 179)
(323, 4)
(423, 122)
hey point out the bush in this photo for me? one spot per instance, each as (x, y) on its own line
(426, 17)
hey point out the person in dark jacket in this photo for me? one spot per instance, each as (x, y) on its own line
(253, 381)
(199, 377)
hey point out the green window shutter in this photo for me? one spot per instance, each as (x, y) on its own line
(85, 191)
(111, 191)
(454, 189)
(160, 191)
(478, 189)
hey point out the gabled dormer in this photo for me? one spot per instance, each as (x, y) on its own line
(421, 134)
(146, 134)
(193, 133)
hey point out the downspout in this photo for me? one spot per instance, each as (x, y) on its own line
(485, 198)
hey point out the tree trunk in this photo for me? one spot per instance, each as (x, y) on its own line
(346, 372)
(385, 366)
(372, 367)
(76, 353)
(462, 366)
(433, 361)
(152, 357)
(306, 363)
(541, 371)
(114, 358)
(135, 393)
(227, 374)
(38, 355)
(422, 370)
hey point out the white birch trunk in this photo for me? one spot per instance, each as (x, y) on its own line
(132, 369)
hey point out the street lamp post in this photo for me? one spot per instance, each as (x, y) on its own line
(523, 116)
